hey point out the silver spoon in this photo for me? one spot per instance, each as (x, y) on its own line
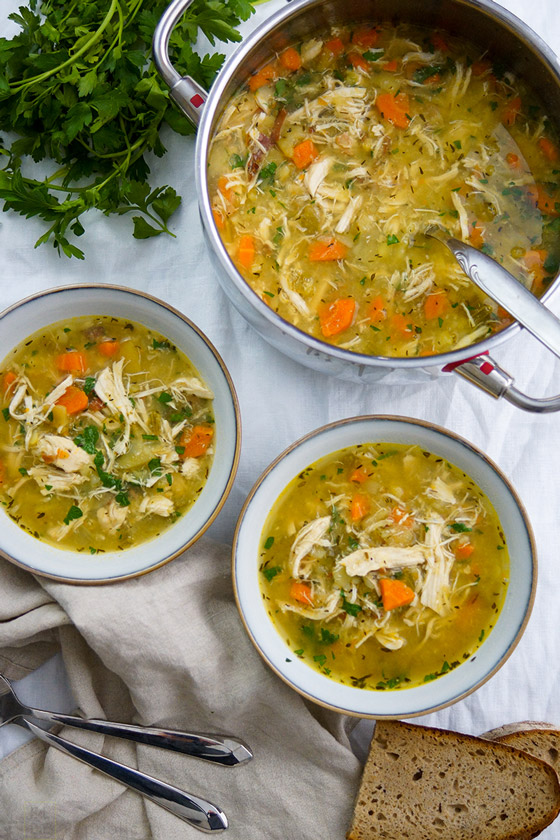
(218, 749)
(505, 289)
(192, 809)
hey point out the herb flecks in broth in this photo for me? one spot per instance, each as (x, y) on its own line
(327, 168)
(106, 437)
(383, 566)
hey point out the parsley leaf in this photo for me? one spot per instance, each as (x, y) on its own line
(74, 512)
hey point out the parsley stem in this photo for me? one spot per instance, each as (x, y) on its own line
(96, 37)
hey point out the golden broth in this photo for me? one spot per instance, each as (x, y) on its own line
(383, 566)
(329, 165)
(106, 437)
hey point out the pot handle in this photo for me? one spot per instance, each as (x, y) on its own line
(486, 374)
(188, 94)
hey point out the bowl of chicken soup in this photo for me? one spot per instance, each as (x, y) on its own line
(384, 567)
(120, 433)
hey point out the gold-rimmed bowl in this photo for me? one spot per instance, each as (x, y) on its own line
(38, 311)
(401, 702)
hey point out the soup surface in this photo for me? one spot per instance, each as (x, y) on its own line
(106, 437)
(330, 164)
(383, 566)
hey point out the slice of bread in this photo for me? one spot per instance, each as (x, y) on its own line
(535, 737)
(432, 784)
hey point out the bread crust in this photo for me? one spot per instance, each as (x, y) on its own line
(424, 783)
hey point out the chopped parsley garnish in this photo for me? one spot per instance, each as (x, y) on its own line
(271, 572)
(89, 384)
(74, 512)
(122, 499)
(160, 345)
(169, 479)
(164, 397)
(269, 542)
(150, 437)
(423, 73)
(299, 652)
(373, 55)
(460, 527)
(87, 439)
(268, 172)
(392, 239)
(23, 471)
(328, 638)
(320, 659)
(238, 162)
(6, 413)
(351, 609)
(154, 465)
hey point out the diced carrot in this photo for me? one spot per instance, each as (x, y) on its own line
(435, 305)
(365, 37)
(439, 42)
(511, 110)
(301, 591)
(358, 61)
(400, 516)
(394, 108)
(73, 400)
(541, 199)
(549, 150)
(359, 507)
(264, 76)
(195, 441)
(290, 59)
(464, 550)
(337, 316)
(73, 361)
(376, 310)
(401, 324)
(323, 251)
(335, 46)
(9, 379)
(109, 348)
(513, 160)
(304, 153)
(476, 235)
(395, 593)
(391, 66)
(218, 218)
(359, 475)
(224, 188)
(246, 250)
(478, 68)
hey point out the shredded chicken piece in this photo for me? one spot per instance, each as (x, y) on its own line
(316, 174)
(191, 466)
(160, 505)
(435, 591)
(390, 640)
(55, 482)
(112, 516)
(110, 388)
(439, 489)
(366, 560)
(316, 613)
(63, 453)
(308, 537)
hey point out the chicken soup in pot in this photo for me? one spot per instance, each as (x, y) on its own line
(106, 437)
(327, 167)
(383, 566)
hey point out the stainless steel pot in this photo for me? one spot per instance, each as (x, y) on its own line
(493, 28)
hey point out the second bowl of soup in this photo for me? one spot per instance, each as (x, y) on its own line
(119, 438)
(384, 567)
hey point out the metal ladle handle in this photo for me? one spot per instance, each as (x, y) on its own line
(506, 290)
(188, 94)
(192, 809)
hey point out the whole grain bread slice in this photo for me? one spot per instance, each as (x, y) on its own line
(421, 783)
(534, 737)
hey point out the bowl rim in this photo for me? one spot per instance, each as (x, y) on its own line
(237, 430)
(502, 17)
(477, 452)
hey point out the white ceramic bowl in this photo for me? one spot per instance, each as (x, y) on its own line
(405, 702)
(33, 313)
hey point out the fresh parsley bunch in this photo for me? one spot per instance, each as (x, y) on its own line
(78, 88)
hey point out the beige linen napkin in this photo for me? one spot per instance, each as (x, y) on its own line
(167, 648)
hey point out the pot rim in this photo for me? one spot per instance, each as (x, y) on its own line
(204, 133)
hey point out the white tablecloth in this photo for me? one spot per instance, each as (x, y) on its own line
(280, 401)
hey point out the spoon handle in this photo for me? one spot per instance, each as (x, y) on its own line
(506, 290)
(217, 749)
(192, 809)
